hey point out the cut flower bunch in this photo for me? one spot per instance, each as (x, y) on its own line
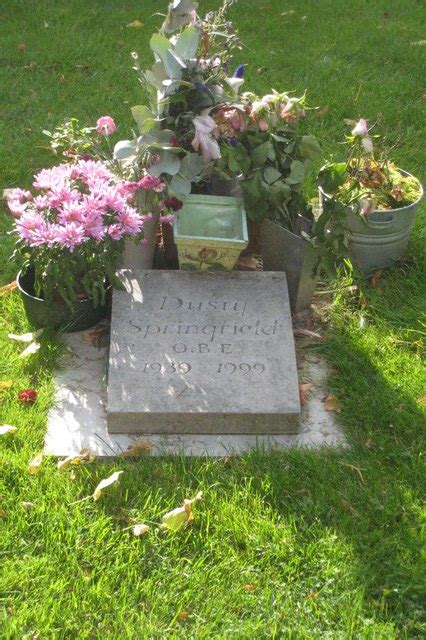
(197, 126)
(368, 180)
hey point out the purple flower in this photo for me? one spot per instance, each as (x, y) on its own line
(239, 71)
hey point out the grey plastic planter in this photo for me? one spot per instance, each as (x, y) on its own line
(380, 240)
(286, 251)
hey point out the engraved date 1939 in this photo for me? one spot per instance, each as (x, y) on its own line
(170, 367)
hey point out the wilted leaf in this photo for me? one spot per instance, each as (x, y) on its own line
(32, 348)
(5, 384)
(137, 448)
(229, 458)
(2, 512)
(136, 24)
(249, 587)
(35, 464)
(106, 483)
(421, 401)
(331, 403)
(181, 516)
(260, 70)
(307, 333)
(82, 458)
(140, 529)
(304, 389)
(375, 278)
(322, 112)
(96, 336)
(7, 288)
(25, 337)
(7, 428)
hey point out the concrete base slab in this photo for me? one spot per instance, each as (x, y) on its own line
(78, 417)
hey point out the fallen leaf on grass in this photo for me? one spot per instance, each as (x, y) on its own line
(35, 464)
(229, 458)
(5, 384)
(81, 458)
(7, 428)
(140, 529)
(322, 112)
(27, 505)
(2, 512)
(421, 401)
(312, 596)
(137, 448)
(249, 587)
(376, 277)
(7, 288)
(307, 334)
(304, 389)
(419, 43)
(182, 615)
(181, 516)
(136, 24)
(32, 348)
(25, 337)
(369, 443)
(348, 507)
(106, 483)
(331, 403)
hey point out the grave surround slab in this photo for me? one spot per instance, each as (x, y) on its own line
(202, 353)
(77, 419)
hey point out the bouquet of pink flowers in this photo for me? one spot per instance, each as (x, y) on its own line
(71, 231)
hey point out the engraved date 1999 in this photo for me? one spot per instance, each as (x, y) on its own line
(242, 367)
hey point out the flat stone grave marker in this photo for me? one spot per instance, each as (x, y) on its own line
(200, 353)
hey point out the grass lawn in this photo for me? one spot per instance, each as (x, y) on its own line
(286, 545)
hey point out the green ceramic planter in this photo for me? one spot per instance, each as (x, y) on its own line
(57, 315)
(210, 232)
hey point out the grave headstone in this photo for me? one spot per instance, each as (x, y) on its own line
(201, 353)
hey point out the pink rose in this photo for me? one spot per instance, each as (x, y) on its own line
(105, 126)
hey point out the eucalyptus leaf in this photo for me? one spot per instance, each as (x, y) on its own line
(163, 49)
(144, 118)
(168, 163)
(187, 43)
(193, 166)
(180, 185)
(125, 149)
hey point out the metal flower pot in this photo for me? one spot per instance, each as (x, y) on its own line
(286, 251)
(210, 232)
(382, 238)
(57, 314)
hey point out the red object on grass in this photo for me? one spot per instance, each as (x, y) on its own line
(27, 395)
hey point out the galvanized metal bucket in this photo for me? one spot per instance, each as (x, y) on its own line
(210, 232)
(382, 238)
